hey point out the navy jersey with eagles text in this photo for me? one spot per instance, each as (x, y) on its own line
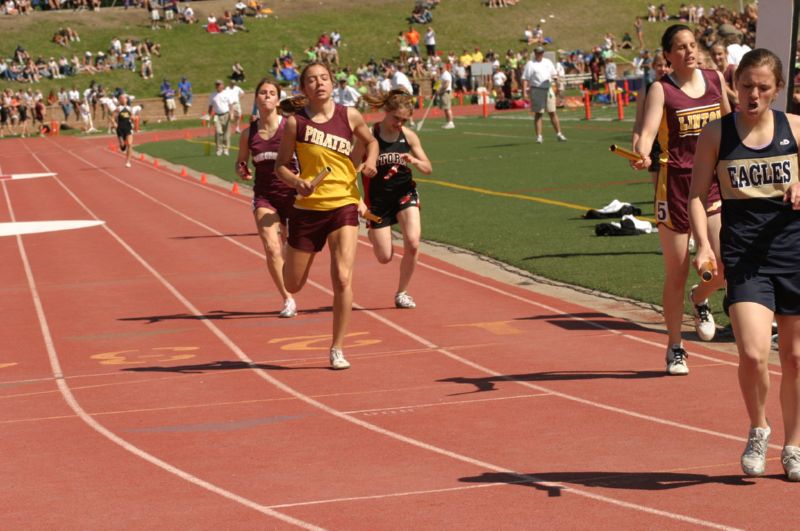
(760, 231)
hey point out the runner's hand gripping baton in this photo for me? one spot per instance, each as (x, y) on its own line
(624, 153)
(369, 216)
(707, 271)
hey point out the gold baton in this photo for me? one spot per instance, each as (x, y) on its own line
(624, 153)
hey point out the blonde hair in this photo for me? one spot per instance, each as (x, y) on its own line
(390, 101)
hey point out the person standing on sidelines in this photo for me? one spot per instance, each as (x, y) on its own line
(346, 95)
(219, 111)
(392, 193)
(753, 154)
(123, 115)
(272, 198)
(322, 134)
(677, 108)
(234, 93)
(185, 94)
(538, 76)
(446, 96)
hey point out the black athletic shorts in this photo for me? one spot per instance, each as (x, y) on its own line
(389, 205)
(780, 293)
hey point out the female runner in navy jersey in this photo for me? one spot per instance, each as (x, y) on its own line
(754, 155)
(677, 108)
(272, 198)
(124, 115)
(391, 194)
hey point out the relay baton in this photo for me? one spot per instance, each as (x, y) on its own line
(369, 216)
(624, 153)
(321, 175)
(707, 271)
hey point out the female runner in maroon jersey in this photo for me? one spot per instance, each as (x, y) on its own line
(687, 99)
(272, 198)
(392, 194)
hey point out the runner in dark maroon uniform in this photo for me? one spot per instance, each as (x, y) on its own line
(678, 107)
(272, 198)
(392, 194)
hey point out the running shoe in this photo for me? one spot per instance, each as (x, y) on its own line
(449, 125)
(337, 359)
(754, 458)
(561, 137)
(289, 309)
(676, 361)
(404, 300)
(539, 139)
(703, 319)
(128, 164)
(790, 457)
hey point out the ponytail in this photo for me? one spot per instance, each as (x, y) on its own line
(390, 101)
(293, 104)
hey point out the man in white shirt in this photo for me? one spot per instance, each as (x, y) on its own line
(219, 110)
(399, 79)
(345, 95)
(234, 93)
(537, 78)
(445, 92)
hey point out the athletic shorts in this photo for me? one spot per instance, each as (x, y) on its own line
(672, 199)
(780, 293)
(281, 205)
(309, 229)
(389, 206)
(124, 132)
(542, 100)
(170, 103)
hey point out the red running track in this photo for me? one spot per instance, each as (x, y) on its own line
(148, 383)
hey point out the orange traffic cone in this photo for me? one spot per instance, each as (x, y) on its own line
(141, 157)
(114, 148)
(235, 189)
(203, 178)
(155, 163)
(184, 173)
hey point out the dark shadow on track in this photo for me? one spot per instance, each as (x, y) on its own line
(487, 383)
(219, 315)
(214, 236)
(220, 366)
(653, 481)
(585, 321)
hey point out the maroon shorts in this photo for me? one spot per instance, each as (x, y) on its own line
(309, 229)
(672, 199)
(281, 205)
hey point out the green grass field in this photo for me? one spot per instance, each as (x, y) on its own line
(496, 192)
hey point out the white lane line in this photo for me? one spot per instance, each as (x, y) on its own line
(70, 399)
(412, 407)
(235, 349)
(14, 228)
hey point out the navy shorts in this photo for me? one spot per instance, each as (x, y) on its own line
(388, 207)
(309, 229)
(780, 293)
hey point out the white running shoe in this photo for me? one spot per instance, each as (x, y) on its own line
(226, 152)
(449, 125)
(754, 458)
(676, 361)
(539, 139)
(561, 137)
(790, 457)
(703, 319)
(128, 164)
(404, 300)
(289, 309)
(337, 359)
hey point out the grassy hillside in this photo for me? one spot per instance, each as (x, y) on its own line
(368, 27)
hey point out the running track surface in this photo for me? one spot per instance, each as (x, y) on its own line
(147, 382)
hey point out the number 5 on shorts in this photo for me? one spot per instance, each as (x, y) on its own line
(662, 212)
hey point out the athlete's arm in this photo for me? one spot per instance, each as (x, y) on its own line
(364, 135)
(705, 161)
(284, 158)
(792, 195)
(653, 111)
(244, 154)
(724, 101)
(417, 157)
